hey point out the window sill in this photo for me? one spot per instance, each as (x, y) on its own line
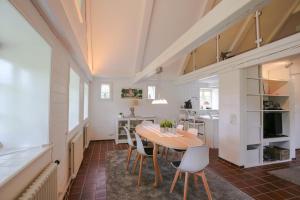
(14, 161)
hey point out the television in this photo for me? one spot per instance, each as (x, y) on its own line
(272, 125)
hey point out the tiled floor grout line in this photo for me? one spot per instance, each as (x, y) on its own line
(87, 171)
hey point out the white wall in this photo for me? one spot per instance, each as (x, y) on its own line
(104, 113)
(58, 123)
(191, 91)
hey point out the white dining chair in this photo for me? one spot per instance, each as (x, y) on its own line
(165, 149)
(143, 153)
(193, 131)
(179, 127)
(194, 161)
(131, 146)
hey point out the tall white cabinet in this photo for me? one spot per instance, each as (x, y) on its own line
(267, 115)
(250, 99)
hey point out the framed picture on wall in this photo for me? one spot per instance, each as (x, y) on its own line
(132, 93)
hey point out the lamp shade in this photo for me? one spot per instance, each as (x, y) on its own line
(160, 101)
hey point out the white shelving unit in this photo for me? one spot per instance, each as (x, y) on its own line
(258, 90)
(130, 123)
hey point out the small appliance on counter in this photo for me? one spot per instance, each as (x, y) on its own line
(188, 104)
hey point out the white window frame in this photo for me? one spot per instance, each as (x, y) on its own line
(148, 92)
(211, 90)
(86, 100)
(70, 129)
(110, 91)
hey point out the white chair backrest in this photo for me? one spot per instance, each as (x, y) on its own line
(139, 145)
(195, 159)
(145, 122)
(180, 127)
(193, 131)
(129, 139)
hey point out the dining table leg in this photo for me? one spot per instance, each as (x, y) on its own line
(158, 176)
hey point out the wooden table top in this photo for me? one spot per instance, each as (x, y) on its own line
(181, 140)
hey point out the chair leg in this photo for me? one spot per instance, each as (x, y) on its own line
(135, 162)
(163, 151)
(186, 183)
(167, 152)
(128, 157)
(175, 180)
(140, 171)
(204, 180)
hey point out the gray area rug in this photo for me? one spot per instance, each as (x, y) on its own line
(123, 185)
(291, 174)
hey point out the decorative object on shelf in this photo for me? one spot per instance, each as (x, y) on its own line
(133, 103)
(226, 55)
(159, 100)
(188, 104)
(132, 93)
(166, 125)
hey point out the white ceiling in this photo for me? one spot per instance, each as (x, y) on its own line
(127, 35)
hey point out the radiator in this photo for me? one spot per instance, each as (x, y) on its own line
(44, 187)
(86, 136)
(76, 154)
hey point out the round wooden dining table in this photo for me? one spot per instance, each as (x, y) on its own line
(179, 140)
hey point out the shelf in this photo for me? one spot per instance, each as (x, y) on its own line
(267, 95)
(271, 80)
(277, 139)
(275, 162)
(275, 111)
(268, 111)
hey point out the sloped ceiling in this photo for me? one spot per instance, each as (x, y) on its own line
(127, 35)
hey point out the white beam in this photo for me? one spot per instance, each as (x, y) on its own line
(206, 7)
(223, 15)
(143, 34)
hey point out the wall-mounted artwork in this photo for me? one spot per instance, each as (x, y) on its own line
(131, 93)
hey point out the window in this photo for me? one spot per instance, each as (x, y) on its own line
(86, 101)
(105, 92)
(209, 98)
(151, 92)
(25, 66)
(74, 84)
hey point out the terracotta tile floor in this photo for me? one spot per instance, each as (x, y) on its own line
(90, 182)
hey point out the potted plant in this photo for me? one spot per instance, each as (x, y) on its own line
(166, 125)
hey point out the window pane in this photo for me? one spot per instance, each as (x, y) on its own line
(105, 91)
(25, 65)
(151, 92)
(205, 98)
(73, 100)
(86, 101)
